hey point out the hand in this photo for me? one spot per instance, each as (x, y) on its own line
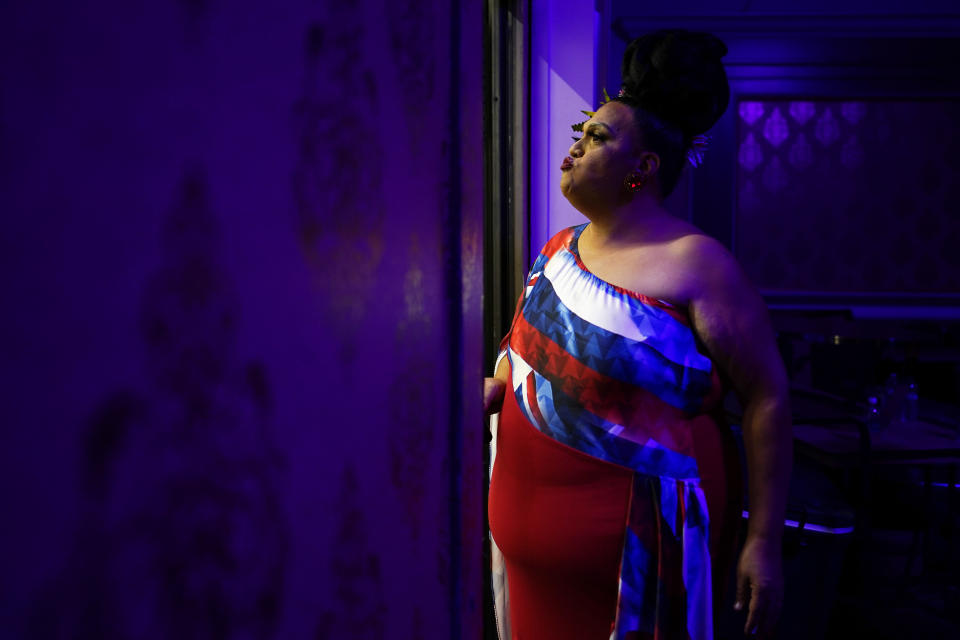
(760, 579)
(493, 390)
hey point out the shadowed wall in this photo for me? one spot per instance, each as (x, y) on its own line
(241, 284)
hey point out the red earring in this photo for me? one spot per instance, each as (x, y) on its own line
(634, 181)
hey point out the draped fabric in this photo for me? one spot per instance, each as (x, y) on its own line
(620, 377)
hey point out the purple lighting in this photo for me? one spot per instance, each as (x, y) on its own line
(750, 112)
(853, 112)
(748, 195)
(824, 175)
(802, 111)
(750, 154)
(774, 175)
(827, 129)
(801, 153)
(851, 155)
(776, 129)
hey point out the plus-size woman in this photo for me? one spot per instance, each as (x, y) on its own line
(615, 493)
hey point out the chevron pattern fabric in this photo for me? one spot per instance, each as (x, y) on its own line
(619, 376)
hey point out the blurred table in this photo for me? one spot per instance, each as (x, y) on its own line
(915, 443)
(831, 432)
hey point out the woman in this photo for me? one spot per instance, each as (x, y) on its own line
(615, 493)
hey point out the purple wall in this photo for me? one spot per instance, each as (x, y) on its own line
(562, 78)
(241, 273)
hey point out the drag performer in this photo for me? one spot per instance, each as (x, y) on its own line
(615, 495)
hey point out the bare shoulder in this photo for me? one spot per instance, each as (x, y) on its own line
(707, 265)
(702, 252)
(720, 295)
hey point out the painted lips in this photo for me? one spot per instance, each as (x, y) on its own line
(567, 164)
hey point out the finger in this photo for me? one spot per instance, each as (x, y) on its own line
(771, 598)
(771, 614)
(741, 591)
(750, 627)
(490, 404)
(766, 612)
(756, 612)
(493, 392)
(763, 629)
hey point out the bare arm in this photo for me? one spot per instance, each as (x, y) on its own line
(730, 317)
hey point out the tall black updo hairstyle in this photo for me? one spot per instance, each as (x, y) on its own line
(675, 83)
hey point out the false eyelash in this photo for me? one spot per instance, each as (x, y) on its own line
(578, 126)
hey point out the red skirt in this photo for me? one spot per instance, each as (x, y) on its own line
(559, 516)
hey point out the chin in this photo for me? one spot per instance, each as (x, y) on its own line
(575, 202)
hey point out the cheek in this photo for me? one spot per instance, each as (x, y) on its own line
(610, 160)
(606, 172)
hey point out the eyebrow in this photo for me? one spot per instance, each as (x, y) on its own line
(598, 124)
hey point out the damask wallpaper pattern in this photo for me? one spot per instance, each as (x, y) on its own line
(848, 195)
(244, 338)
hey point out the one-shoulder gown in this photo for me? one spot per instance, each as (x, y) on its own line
(615, 492)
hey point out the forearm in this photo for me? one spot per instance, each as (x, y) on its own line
(768, 441)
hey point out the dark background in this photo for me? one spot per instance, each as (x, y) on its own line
(240, 283)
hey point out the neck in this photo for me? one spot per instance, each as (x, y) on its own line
(634, 221)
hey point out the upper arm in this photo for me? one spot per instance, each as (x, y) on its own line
(731, 319)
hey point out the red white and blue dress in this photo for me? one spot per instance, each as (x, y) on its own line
(614, 494)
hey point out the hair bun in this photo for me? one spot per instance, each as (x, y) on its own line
(677, 75)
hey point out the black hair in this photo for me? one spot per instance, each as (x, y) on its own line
(675, 83)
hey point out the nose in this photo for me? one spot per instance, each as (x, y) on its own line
(575, 149)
